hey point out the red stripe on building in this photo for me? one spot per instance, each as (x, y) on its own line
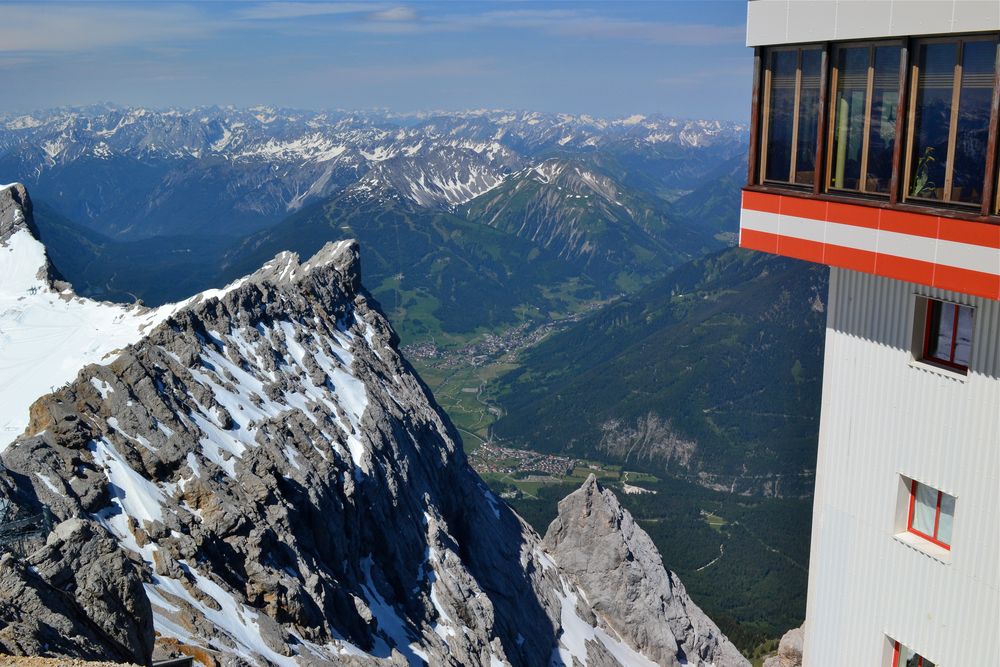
(850, 258)
(967, 281)
(811, 251)
(973, 233)
(762, 241)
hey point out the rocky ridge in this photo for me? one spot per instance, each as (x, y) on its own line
(260, 478)
(614, 563)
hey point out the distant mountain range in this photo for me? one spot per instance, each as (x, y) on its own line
(134, 172)
(469, 220)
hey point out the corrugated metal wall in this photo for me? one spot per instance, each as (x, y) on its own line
(885, 415)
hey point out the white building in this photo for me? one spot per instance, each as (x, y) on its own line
(874, 151)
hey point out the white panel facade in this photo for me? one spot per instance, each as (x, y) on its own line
(771, 22)
(887, 416)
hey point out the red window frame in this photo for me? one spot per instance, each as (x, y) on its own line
(928, 329)
(937, 517)
(895, 657)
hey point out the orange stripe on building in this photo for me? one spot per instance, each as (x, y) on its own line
(967, 281)
(762, 241)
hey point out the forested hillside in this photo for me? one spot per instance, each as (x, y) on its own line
(711, 373)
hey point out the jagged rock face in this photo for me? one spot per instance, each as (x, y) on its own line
(261, 478)
(77, 595)
(15, 210)
(615, 564)
(440, 178)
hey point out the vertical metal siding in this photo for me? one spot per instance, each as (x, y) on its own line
(886, 415)
(771, 22)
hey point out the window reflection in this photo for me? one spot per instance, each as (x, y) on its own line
(792, 115)
(882, 131)
(805, 156)
(932, 114)
(948, 338)
(782, 109)
(849, 117)
(951, 120)
(863, 116)
(925, 509)
(973, 121)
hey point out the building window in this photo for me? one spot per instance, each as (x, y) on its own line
(948, 334)
(866, 82)
(931, 514)
(906, 657)
(950, 107)
(909, 125)
(791, 115)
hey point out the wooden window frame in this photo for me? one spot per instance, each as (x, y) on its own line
(933, 539)
(928, 326)
(866, 138)
(765, 66)
(991, 194)
(956, 89)
(988, 213)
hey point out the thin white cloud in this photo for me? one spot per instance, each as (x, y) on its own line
(584, 23)
(394, 14)
(79, 27)
(295, 10)
(587, 23)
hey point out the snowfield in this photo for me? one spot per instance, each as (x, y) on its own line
(46, 336)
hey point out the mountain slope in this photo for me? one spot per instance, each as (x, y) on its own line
(586, 218)
(157, 270)
(262, 479)
(713, 207)
(434, 272)
(696, 375)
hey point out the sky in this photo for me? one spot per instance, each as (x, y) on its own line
(607, 59)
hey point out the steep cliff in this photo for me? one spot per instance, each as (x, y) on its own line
(256, 476)
(613, 562)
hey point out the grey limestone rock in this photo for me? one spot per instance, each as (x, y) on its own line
(789, 650)
(78, 595)
(615, 564)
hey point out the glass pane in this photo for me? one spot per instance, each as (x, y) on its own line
(973, 121)
(925, 509)
(805, 154)
(908, 657)
(941, 328)
(932, 118)
(885, 104)
(946, 519)
(849, 121)
(779, 121)
(963, 337)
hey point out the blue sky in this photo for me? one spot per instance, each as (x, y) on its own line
(678, 58)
